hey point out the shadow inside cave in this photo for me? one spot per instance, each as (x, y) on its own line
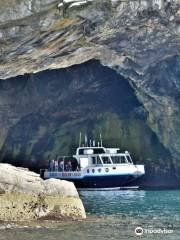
(43, 113)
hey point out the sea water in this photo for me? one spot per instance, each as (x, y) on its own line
(110, 215)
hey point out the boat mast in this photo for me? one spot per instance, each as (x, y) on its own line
(80, 139)
(85, 140)
(101, 140)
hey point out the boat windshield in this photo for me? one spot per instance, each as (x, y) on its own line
(129, 158)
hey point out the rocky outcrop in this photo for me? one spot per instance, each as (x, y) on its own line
(25, 196)
(140, 40)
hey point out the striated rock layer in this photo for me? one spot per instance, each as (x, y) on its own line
(140, 40)
(25, 196)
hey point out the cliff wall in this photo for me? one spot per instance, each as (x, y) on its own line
(139, 40)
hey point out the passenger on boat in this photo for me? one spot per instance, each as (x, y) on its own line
(68, 166)
(74, 164)
(61, 166)
(49, 164)
(56, 165)
(52, 165)
(78, 168)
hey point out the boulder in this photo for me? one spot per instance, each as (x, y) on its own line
(25, 196)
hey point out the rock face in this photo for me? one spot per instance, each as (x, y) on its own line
(138, 39)
(25, 196)
(35, 36)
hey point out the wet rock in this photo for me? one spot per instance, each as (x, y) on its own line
(61, 188)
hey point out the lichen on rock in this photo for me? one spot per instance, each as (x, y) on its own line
(31, 198)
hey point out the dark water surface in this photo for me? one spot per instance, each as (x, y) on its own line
(110, 215)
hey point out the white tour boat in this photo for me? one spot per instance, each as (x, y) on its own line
(97, 168)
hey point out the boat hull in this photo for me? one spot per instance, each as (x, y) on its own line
(100, 177)
(101, 182)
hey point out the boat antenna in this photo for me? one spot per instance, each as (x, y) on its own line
(98, 144)
(90, 142)
(101, 140)
(85, 140)
(80, 139)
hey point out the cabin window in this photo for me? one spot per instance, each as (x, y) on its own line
(93, 160)
(116, 159)
(98, 150)
(98, 160)
(123, 159)
(128, 159)
(119, 159)
(106, 160)
(95, 150)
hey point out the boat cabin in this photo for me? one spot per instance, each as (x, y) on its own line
(100, 156)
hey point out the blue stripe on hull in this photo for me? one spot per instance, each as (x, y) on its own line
(103, 182)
